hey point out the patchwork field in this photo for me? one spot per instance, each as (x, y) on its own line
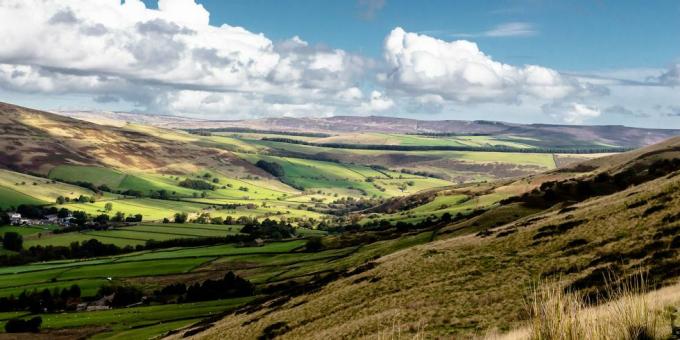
(265, 265)
(373, 235)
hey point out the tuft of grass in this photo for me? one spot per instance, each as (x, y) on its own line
(628, 312)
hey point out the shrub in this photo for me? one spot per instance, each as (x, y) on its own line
(314, 244)
(181, 217)
(23, 326)
(12, 241)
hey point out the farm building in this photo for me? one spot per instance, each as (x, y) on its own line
(15, 218)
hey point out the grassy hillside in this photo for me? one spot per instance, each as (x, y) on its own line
(336, 242)
(36, 141)
(461, 286)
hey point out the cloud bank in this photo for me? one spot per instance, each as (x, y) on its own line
(173, 60)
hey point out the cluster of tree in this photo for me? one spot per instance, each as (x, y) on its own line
(342, 206)
(4, 218)
(269, 229)
(550, 193)
(122, 295)
(230, 286)
(90, 186)
(181, 217)
(44, 301)
(196, 184)
(12, 241)
(420, 173)
(314, 244)
(271, 167)
(31, 325)
(493, 148)
(249, 130)
(80, 199)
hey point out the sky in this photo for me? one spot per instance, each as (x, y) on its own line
(525, 61)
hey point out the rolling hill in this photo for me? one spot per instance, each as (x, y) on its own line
(374, 243)
(36, 141)
(543, 135)
(466, 284)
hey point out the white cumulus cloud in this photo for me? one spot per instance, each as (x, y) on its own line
(572, 113)
(105, 47)
(459, 71)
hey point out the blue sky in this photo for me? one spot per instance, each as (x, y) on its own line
(573, 62)
(570, 35)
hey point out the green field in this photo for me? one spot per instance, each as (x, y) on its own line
(17, 188)
(11, 198)
(459, 166)
(90, 174)
(139, 322)
(347, 179)
(151, 209)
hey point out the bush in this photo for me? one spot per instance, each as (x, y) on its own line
(230, 286)
(23, 326)
(122, 295)
(314, 244)
(12, 241)
(181, 217)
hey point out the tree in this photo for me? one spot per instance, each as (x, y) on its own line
(181, 217)
(79, 217)
(119, 217)
(446, 217)
(271, 167)
(196, 184)
(23, 326)
(12, 241)
(102, 219)
(4, 218)
(61, 200)
(314, 244)
(63, 213)
(108, 206)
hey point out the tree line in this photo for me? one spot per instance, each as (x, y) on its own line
(44, 301)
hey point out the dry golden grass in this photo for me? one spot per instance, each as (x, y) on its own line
(629, 312)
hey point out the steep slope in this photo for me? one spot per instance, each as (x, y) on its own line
(466, 285)
(36, 141)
